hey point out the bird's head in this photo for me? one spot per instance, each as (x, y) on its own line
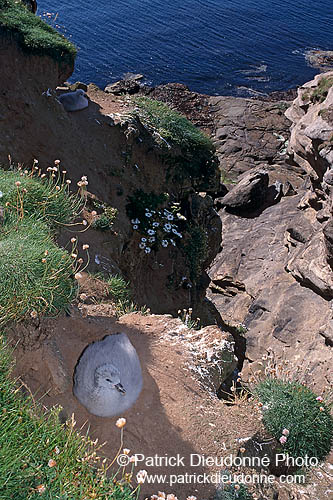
(107, 376)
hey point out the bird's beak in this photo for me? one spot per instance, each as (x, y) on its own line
(120, 388)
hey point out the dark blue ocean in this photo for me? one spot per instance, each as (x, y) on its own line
(228, 47)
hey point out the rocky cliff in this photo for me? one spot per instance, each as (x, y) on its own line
(257, 232)
(273, 279)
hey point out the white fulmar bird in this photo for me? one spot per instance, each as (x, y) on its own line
(108, 377)
(74, 101)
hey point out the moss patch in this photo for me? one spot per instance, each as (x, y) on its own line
(320, 93)
(196, 250)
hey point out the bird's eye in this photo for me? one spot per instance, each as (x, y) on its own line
(108, 380)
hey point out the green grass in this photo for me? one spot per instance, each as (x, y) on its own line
(33, 34)
(37, 277)
(320, 93)
(47, 200)
(197, 152)
(294, 407)
(119, 290)
(39, 456)
(29, 439)
(172, 126)
(28, 285)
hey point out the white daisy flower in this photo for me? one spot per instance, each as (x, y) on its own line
(142, 245)
(147, 250)
(156, 224)
(152, 239)
(164, 243)
(135, 226)
(151, 232)
(144, 240)
(173, 243)
(170, 217)
(148, 214)
(167, 227)
(133, 221)
(181, 217)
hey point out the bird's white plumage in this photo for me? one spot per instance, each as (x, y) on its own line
(108, 377)
(74, 101)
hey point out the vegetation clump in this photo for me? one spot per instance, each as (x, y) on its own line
(119, 291)
(140, 201)
(157, 225)
(105, 221)
(233, 491)
(320, 92)
(296, 417)
(196, 250)
(33, 34)
(196, 156)
(46, 199)
(37, 277)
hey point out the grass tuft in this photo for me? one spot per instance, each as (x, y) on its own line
(119, 290)
(197, 153)
(294, 407)
(33, 34)
(47, 200)
(36, 275)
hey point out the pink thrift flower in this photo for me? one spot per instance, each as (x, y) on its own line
(319, 398)
(285, 432)
(283, 439)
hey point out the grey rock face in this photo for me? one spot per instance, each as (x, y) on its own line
(253, 283)
(250, 191)
(248, 133)
(108, 378)
(310, 145)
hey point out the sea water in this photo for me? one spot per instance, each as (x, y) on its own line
(227, 47)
